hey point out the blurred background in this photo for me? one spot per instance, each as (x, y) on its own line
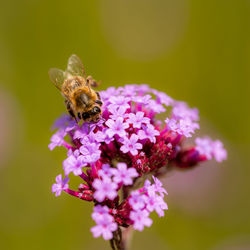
(196, 51)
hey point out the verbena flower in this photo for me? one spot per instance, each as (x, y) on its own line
(124, 175)
(104, 189)
(74, 163)
(211, 148)
(137, 119)
(60, 185)
(116, 127)
(140, 219)
(105, 225)
(129, 144)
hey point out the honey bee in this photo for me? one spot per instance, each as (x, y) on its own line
(80, 99)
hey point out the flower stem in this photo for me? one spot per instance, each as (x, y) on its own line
(122, 239)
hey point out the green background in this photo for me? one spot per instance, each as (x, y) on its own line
(196, 51)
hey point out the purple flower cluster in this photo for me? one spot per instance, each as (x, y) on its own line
(105, 223)
(146, 200)
(129, 144)
(210, 149)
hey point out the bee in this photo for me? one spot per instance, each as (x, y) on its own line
(80, 99)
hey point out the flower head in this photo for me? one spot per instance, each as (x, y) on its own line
(113, 157)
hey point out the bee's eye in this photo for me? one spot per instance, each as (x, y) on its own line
(96, 110)
(85, 115)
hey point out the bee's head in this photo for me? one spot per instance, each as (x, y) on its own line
(95, 110)
(85, 116)
(92, 115)
(95, 113)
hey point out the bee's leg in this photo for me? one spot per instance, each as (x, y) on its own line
(79, 116)
(92, 82)
(73, 115)
(99, 99)
(99, 102)
(69, 109)
(98, 95)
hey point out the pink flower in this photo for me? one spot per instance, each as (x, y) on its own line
(183, 126)
(106, 171)
(116, 127)
(60, 185)
(158, 187)
(131, 145)
(140, 219)
(104, 189)
(204, 146)
(90, 152)
(163, 98)
(105, 226)
(182, 111)
(102, 136)
(160, 206)
(128, 144)
(142, 99)
(65, 122)
(117, 112)
(156, 107)
(57, 139)
(111, 91)
(137, 119)
(124, 175)
(99, 212)
(137, 200)
(219, 153)
(74, 163)
(148, 132)
(156, 203)
(118, 101)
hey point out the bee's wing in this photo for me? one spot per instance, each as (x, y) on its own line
(75, 66)
(57, 76)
